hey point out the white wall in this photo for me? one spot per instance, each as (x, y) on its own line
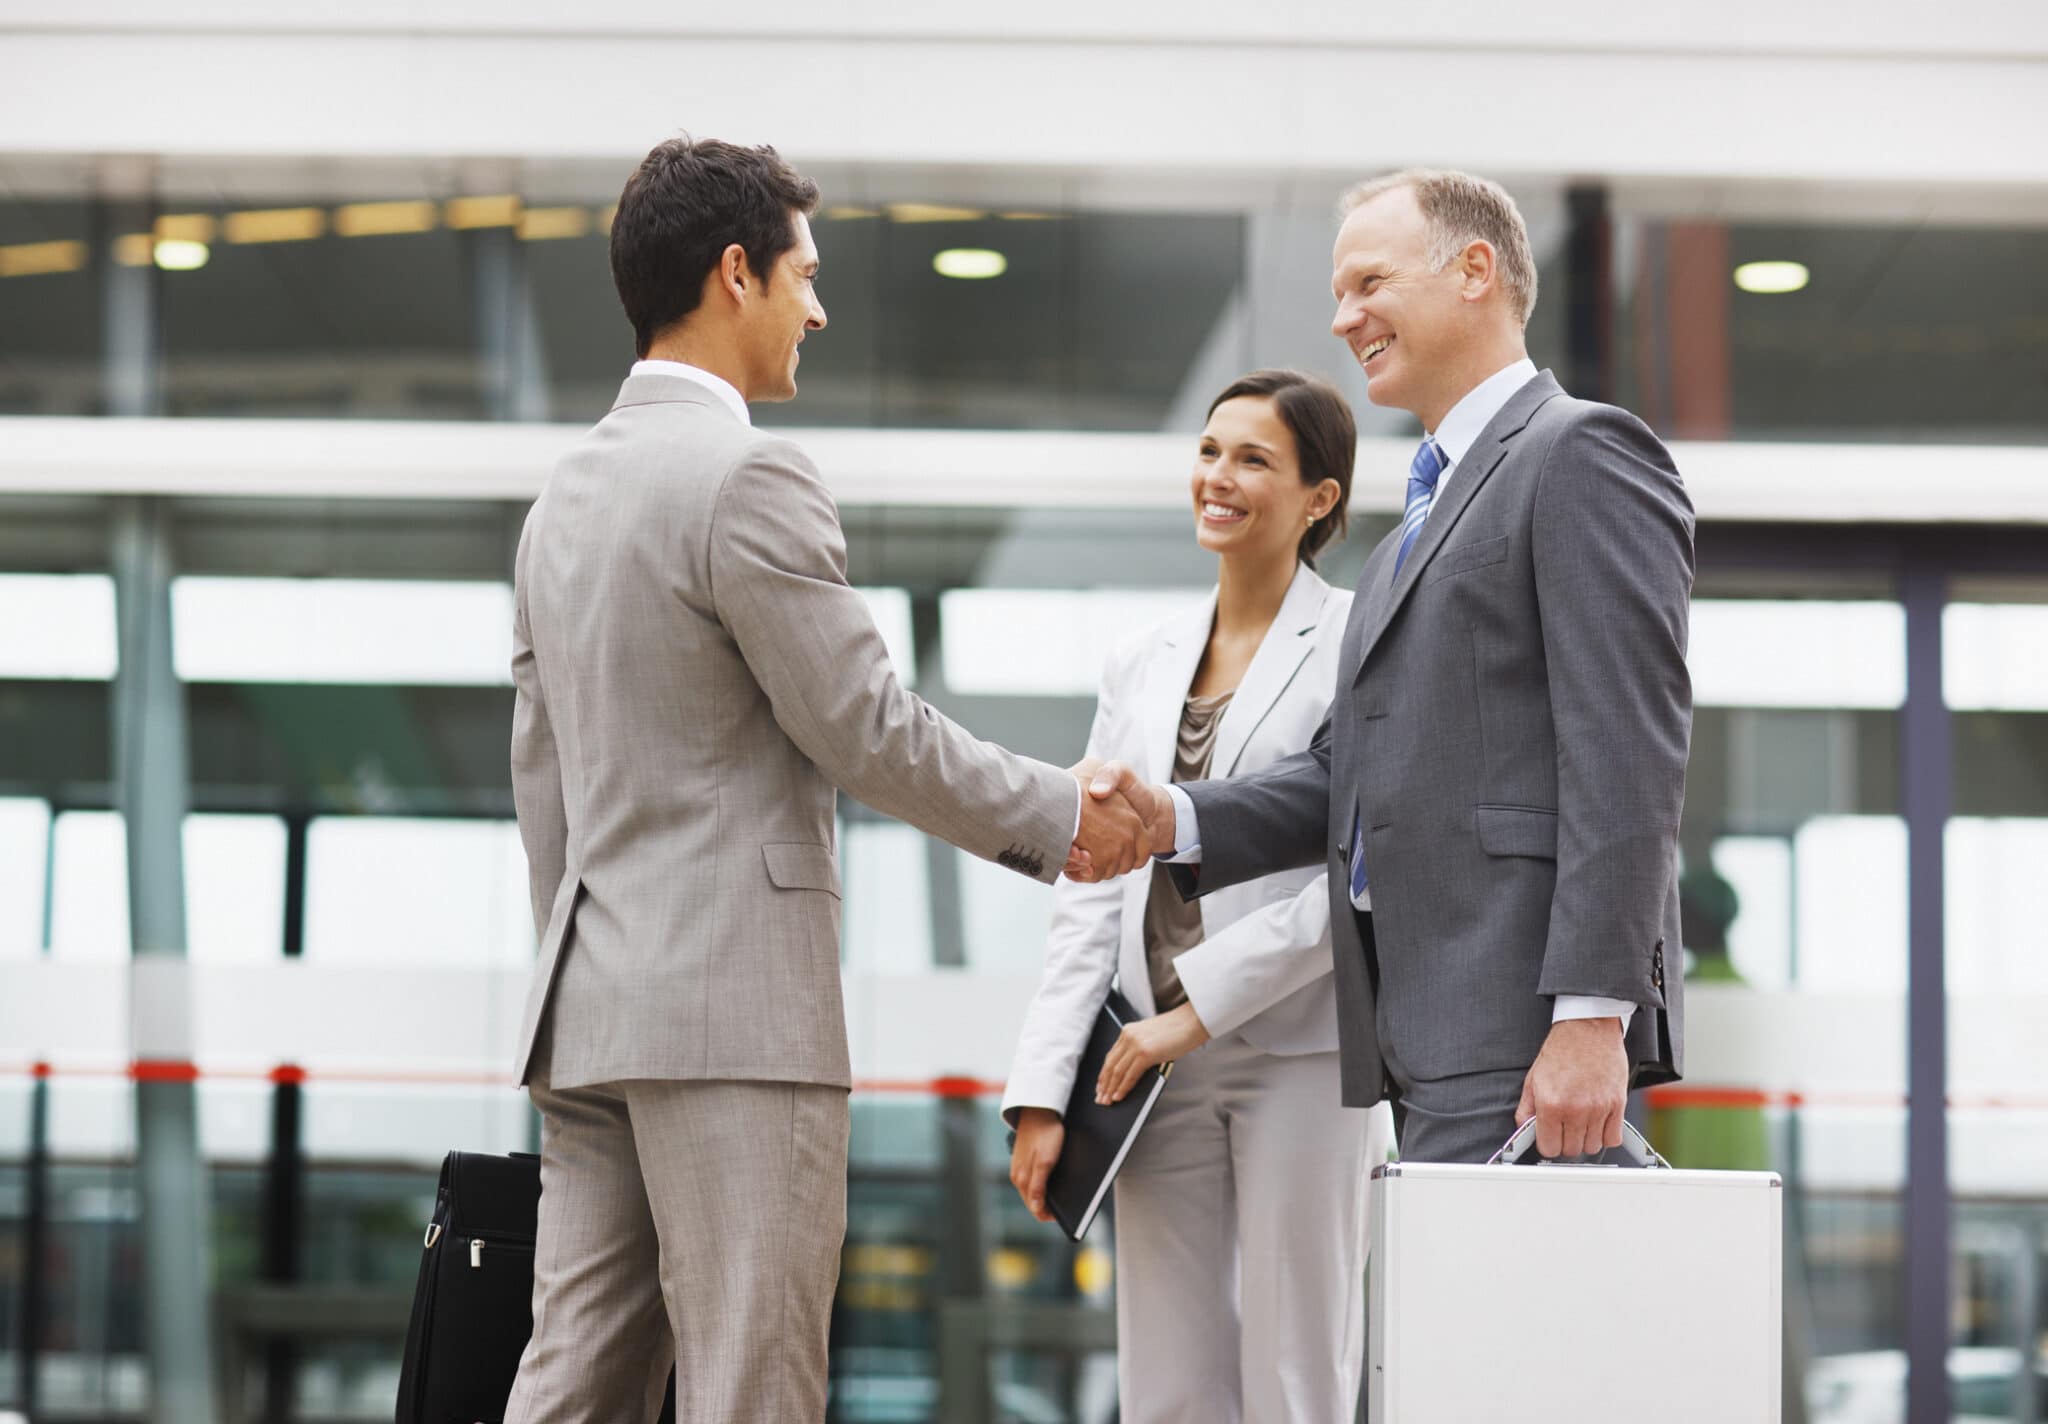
(1882, 92)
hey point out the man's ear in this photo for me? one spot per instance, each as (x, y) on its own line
(1478, 269)
(735, 277)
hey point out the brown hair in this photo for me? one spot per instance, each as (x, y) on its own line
(1461, 209)
(685, 204)
(1325, 440)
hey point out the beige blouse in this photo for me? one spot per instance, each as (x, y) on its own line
(1173, 926)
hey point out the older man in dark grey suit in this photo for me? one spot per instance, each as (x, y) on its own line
(1497, 790)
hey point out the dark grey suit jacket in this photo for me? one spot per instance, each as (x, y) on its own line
(1512, 729)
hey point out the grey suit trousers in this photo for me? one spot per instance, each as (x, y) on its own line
(697, 1222)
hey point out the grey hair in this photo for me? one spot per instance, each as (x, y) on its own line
(1460, 209)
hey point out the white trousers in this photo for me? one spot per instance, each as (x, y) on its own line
(1241, 1236)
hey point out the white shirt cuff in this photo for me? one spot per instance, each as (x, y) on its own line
(1187, 839)
(1080, 805)
(1587, 1006)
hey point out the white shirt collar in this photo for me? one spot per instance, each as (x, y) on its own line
(717, 385)
(1454, 436)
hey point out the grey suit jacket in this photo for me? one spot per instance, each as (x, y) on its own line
(693, 676)
(1511, 724)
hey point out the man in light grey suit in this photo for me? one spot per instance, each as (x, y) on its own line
(693, 678)
(1497, 790)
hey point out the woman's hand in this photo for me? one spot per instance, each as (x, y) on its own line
(1040, 1136)
(1146, 1044)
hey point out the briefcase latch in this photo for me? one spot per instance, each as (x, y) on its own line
(433, 1233)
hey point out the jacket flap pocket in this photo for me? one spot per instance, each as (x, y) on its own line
(802, 867)
(1517, 830)
(1462, 558)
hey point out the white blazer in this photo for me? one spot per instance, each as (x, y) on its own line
(1263, 967)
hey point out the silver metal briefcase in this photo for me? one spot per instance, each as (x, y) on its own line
(1574, 1292)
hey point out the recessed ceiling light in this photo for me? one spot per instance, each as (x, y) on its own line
(970, 263)
(1771, 277)
(177, 254)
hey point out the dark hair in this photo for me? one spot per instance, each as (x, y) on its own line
(1325, 440)
(685, 204)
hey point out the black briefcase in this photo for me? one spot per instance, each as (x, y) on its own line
(472, 1310)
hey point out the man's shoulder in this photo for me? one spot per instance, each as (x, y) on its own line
(1567, 414)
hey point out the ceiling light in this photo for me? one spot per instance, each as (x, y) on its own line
(185, 227)
(970, 263)
(498, 210)
(381, 219)
(932, 212)
(604, 219)
(844, 213)
(1771, 277)
(276, 225)
(32, 259)
(540, 224)
(135, 249)
(1028, 217)
(178, 254)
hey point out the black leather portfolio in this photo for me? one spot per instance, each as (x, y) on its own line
(1098, 1138)
(472, 1310)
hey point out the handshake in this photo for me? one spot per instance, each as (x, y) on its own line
(1124, 822)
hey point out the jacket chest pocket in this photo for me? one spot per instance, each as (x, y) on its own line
(1465, 558)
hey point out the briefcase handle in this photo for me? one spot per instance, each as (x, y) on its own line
(1524, 1141)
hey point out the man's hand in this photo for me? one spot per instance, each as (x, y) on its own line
(1040, 1136)
(1577, 1089)
(1146, 1044)
(1112, 791)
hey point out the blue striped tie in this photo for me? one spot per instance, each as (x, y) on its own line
(1423, 472)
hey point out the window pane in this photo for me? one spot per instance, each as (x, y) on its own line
(378, 631)
(380, 322)
(1044, 641)
(1899, 332)
(234, 888)
(24, 865)
(51, 328)
(886, 923)
(57, 626)
(1995, 657)
(89, 887)
(389, 889)
(1850, 873)
(1005, 917)
(1767, 653)
(891, 610)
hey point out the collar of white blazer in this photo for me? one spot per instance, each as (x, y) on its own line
(1287, 644)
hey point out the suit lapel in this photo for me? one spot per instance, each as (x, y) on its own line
(1166, 686)
(1473, 471)
(1281, 653)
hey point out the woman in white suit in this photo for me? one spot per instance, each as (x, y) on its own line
(1240, 1213)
